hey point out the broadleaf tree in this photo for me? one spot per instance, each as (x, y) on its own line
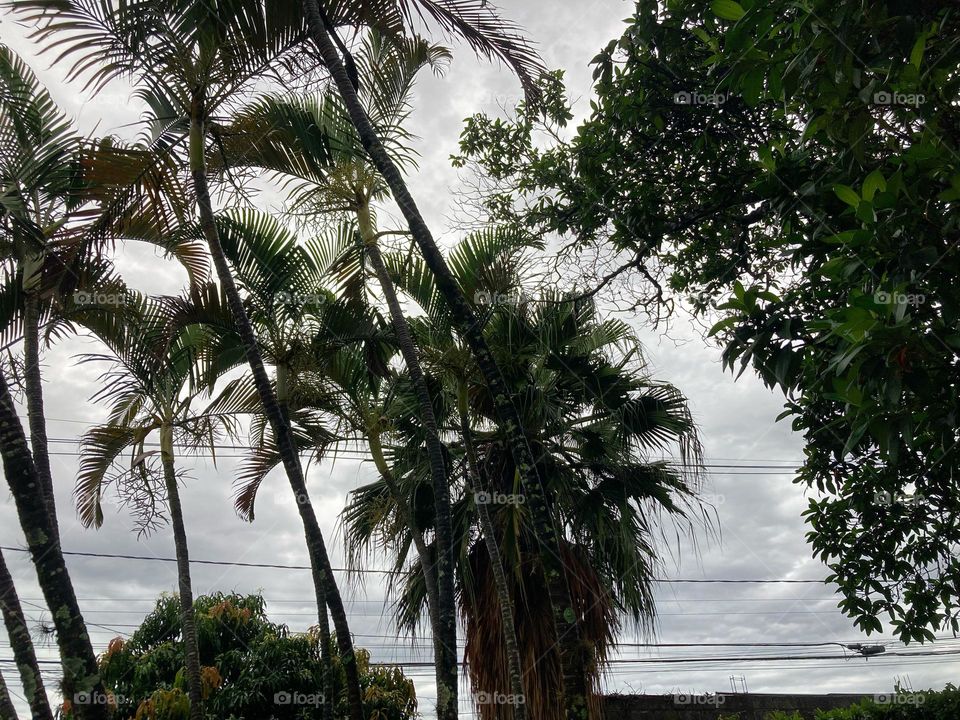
(790, 171)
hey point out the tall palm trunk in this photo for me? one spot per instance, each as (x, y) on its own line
(80, 672)
(191, 651)
(7, 710)
(490, 541)
(34, 395)
(573, 654)
(323, 617)
(446, 613)
(423, 553)
(22, 647)
(324, 583)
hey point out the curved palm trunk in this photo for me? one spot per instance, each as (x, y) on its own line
(34, 396)
(7, 710)
(423, 553)
(22, 647)
(191, 651)
(80, 672)
(323, 617)
(573, 654)
(324, 583)
(446, 612)
(510, 644)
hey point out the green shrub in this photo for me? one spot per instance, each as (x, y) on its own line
(926, 705)
(251, 668)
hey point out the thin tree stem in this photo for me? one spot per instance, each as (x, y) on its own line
(7, 710)
(572, 652)
(191, 650)
(446, 630)
(80, 672)
(323, 580)
(283, 377)
(34, 396)
(423, 553)
(22, 646)
(491, 543)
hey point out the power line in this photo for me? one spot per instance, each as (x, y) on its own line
(719, 463)
(117, 556)
(669, 661)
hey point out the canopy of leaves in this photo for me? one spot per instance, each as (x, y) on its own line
(251, 667)
(795, 166)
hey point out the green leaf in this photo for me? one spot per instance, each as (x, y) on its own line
(865, 212)
(722, 325)
(872, 183)
(727, 9)
(916, 54)
(847, 194)
(752, 86)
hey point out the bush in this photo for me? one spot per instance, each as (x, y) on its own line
(251, 668)
(899, 705)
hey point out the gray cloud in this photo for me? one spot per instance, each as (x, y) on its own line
(759, 515)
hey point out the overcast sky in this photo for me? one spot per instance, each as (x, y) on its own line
(759, 512)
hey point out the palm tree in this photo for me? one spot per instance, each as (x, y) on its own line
(299, 323)
(190, 57)
(334, 177)
(39, 160)
(39, 174)
(286, 304)
(481, 27)
(594, 418)
(152, 390)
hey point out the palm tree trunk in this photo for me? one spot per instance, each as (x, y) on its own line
(34, 395)
(446, 629)
(7, 710)
(323, 617)
(22, 647)
(80, 672)
(324, 583)
(423, 553)
(191, 651)
(572, 652)
(490, 541)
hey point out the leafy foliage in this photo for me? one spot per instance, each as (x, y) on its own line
(794, 169)
(897, 705)
(594, 421)
(251, 667)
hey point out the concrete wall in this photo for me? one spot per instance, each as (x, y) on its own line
(748, 706)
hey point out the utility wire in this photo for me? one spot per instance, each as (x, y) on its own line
(117, 556)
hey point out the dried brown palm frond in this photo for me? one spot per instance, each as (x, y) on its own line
(599, 620)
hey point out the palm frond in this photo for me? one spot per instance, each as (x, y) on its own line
(474, 21)
(101, 447)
